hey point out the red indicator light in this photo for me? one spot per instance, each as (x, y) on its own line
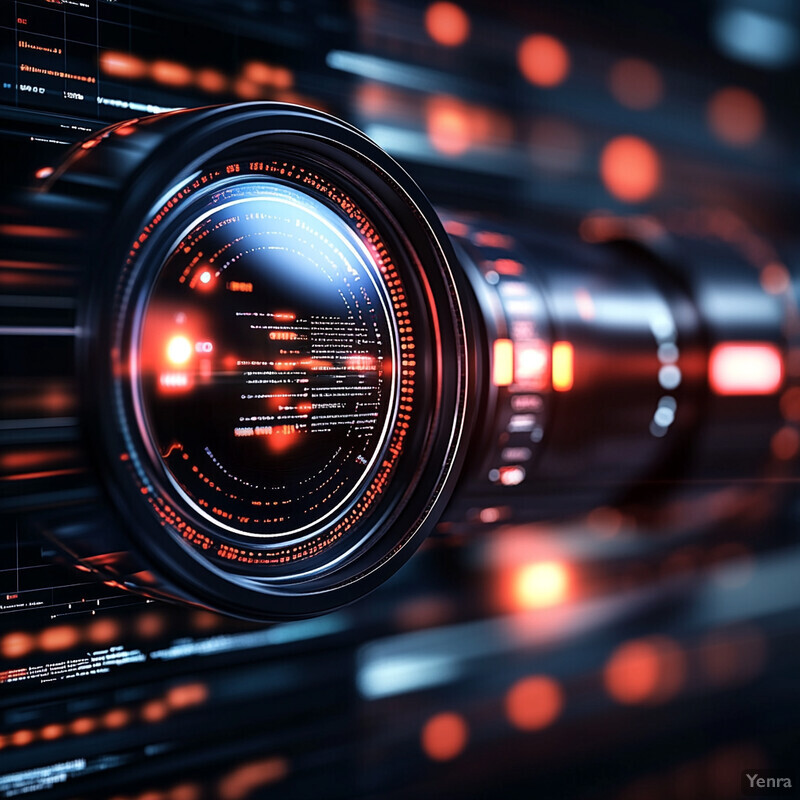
(540, 584)
(532, 360)
(745, 368)
(563, 366)
(203, 279)
(179, 350)
(503, 364)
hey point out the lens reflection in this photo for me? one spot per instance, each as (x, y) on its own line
(265, 362)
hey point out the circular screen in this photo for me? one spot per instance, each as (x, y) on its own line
(267, 358)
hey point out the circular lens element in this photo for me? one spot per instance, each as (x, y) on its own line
(268, 363)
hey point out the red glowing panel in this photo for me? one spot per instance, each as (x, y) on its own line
(745, 368)
(503, 363)
(563, 366)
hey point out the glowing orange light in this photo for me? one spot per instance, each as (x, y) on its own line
(203, 280)
(258, 72)
(736, 116)
(82, 726)
(44, 172)
(543, 60)
(17, 645)
(534, 703)
(508, 266)
(282, 78)
(541, 584)
(51, 732)
(179, 350)
(185, 791)
(244, 780)
(209, 80)
(563, 366)
(171, 73)
(154, 711)
(116, 718)
(745, 368)
(187, 695)
(247, 90)
(285, 316)
(62, 637)
(636, 83)
(447, 24)
(22, 738)
(503, 362)
(645, 671)
(103, 631)
(122, 65)
(630, 168)
(448, 123)
(444, 736)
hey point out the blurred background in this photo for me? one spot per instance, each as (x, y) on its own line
(594, 658)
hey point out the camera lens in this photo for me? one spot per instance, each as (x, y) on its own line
(271, 358)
